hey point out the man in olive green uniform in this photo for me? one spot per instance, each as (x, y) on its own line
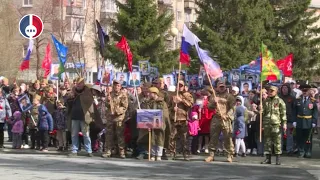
(305, 114)
(117, 104)
(274, 116)
(159, 83)
(221, 121)
(181, 106)
(158, 135)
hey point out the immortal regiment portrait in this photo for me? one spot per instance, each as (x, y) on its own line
(134, 79)
(122, 78)
(144, 67)
(153, 94)
(107, 75)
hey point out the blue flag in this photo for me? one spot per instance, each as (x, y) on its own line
(62, 52)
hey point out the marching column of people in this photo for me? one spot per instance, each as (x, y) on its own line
(104, 119)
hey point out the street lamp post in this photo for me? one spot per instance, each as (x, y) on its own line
(174, 32)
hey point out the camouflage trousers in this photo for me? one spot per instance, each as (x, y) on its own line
(180, 131)
(114, 136)
(272, 136)
(217, 126)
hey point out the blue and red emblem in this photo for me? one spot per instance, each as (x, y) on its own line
(30, 26)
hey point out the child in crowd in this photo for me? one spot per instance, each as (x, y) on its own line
(33, 130)
(239, 127)
(17, 130)
(205, 122)
(60, 124)
(45, 124)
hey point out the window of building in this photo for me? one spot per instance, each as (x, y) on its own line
(187, 17)
(77, 25)
(27, 3)
(84, 4)
(109, 5)
(179, 15)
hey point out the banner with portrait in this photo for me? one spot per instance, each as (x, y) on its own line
(149, 119)
(193, 82)
(25, 103)
(144, 67)
(107, 75)
(54, 72)
(122, 78)
(169, 80)
(245, 88)
(134, 79)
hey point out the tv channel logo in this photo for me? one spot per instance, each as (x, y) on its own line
(30, 26)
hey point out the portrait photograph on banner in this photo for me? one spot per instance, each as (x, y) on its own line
(235, 75)
(135, 68)
(183, 75)
(246, 87)
(194, 82)
(169, 80)
(54, 72)
(107, 75)
(25, 103)
(154, 72)
(252, 77)
(134, 79)
(144, 67)
(122, 78)
(149, 119)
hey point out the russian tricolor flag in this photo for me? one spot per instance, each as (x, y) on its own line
(188, 39)
(25, 63)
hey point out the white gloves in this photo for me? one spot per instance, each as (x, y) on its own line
(313, 125)
(294, 124)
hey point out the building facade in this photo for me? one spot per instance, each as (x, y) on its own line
(73, 23)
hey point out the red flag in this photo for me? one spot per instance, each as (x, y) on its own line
(285, 65)
(124, 46)
(46, 63)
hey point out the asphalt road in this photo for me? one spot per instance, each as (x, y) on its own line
(60, 167)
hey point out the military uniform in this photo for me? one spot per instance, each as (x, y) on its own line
(180, 127)
(226, 104)
(116, 111)
(274, 115)
(305, 114)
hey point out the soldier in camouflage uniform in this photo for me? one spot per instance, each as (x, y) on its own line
(305, 115)
(181, 105)
(117, 105)
(274, 116)
(221, 121)
(34, 133)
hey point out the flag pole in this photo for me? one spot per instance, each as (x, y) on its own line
(260, 128)
(214, 95)
(177, 89)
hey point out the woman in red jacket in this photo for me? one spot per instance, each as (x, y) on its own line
(205, 121)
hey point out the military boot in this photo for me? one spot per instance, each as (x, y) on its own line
(107, 154)
(229, 158)
(267, 160)
(210, 157)
(186, 157)
(278, 159)
(122, 154)
(173, 156)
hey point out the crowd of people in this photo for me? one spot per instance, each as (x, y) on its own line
(210, 120)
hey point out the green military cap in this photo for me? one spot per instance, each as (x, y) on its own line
(116, 82)
(273, 88)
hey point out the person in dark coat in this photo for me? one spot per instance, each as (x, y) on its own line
(305, 115)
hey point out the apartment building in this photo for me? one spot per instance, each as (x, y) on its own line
(73, 23)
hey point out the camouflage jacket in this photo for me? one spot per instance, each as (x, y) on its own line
(183, 106)
(226, 105)
(118, 106)
(274, 111)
